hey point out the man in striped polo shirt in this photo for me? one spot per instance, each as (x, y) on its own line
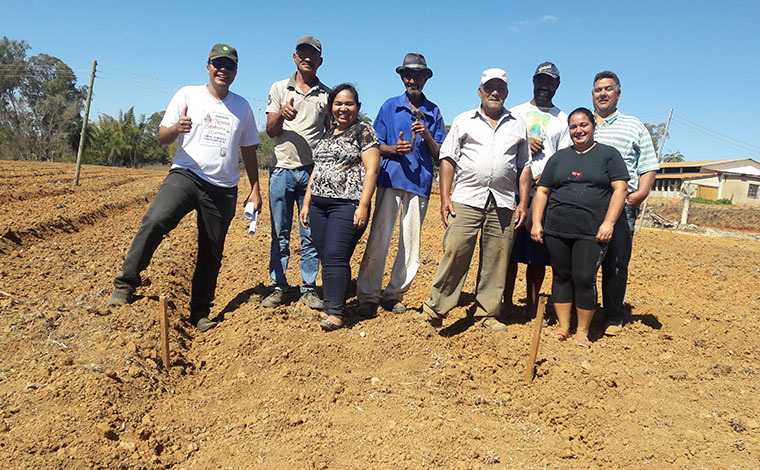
(629, 136)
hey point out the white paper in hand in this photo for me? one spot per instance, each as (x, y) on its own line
(250, 213)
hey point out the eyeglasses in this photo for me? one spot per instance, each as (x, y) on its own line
(224, 64)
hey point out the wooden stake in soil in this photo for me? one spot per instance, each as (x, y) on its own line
(539, 323)
(164, 321)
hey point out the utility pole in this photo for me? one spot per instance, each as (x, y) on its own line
(84, 125)
(659, 160)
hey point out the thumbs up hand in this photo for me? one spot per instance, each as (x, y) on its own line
(289, 111)
(185, 123)
(402, 146)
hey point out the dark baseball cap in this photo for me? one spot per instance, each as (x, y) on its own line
(223, 50)
(547, 68)
(309, 40)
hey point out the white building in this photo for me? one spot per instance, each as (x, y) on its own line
(737, 180)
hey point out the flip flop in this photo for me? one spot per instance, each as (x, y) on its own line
(560, 336)
(584, 344)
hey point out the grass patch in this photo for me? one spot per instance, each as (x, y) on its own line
(721, 202)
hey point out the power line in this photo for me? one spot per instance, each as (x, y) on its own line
(723, 142)
(711, 131)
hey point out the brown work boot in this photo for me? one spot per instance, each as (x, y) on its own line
(428, 315)
(274, 299)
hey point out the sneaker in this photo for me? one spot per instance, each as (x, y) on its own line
(119, 297)
(394, 306)
(367, 310)
(311, 300)
(613, 329)
(493, 325)
(274, 299)
(204, 324)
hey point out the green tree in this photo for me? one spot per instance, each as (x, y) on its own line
(656, 131)
(39, 104)
(265, 151)
(150, 150)
(673, 157)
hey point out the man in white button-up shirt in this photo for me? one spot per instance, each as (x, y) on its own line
(485, 151)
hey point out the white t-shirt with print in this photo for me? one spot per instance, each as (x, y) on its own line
(548, 125)
(211, 149)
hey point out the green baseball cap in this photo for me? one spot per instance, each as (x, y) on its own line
(223, 50)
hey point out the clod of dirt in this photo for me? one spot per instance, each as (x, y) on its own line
(104, 429)
(128, 446)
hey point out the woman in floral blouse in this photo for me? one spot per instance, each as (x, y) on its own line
(336, 205)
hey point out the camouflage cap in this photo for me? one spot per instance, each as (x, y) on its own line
(223, 50)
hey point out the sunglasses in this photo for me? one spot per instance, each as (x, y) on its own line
(224, 64)
(501, 89)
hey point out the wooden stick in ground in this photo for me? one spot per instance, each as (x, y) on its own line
(164, 323)
(539, 323)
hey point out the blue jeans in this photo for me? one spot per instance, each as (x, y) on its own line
(332, 222)
(286, 188)
(615, 265)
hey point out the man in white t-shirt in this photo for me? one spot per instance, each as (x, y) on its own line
(212, 127)
(547, 133)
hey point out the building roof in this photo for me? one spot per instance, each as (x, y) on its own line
(700, 163)
(684, 176)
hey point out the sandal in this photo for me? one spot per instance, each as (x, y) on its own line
(583, 343)
(329, 325)
(559, 336)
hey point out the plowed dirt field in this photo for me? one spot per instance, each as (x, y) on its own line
(82, 385)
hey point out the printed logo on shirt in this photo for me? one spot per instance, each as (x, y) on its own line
(217, 131)
(575, 175)
(537, 122)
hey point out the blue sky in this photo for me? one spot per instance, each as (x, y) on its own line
(701, 60)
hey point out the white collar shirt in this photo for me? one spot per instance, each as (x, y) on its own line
(487, 158)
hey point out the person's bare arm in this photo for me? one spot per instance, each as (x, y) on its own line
(617, 201)
(539, 204)
(371, 162)
(252, 170)
(167, 135)
(401, 148)
(646, 181)
(521, 213)
(420, 128)
(275, 120)
(448, 168)
(303, 216)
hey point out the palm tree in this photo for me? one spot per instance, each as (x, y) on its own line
(673, 157)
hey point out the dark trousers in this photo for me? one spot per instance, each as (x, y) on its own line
(575, 263)
(332, 229)
(181, 192)
(615, 266)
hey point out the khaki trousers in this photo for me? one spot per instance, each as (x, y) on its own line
(494, 224)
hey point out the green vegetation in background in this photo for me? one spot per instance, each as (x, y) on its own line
(40, 105)
(700, 200)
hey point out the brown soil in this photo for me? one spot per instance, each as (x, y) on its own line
(82, 386)
(734, 217)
